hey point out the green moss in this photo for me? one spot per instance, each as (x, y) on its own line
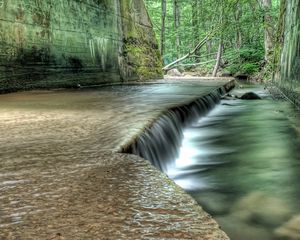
(145, 61)
(140, 49)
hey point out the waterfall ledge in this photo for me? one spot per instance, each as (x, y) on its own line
(62, 177)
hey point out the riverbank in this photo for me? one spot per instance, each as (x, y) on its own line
(62, 177)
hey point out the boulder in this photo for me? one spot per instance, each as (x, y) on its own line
(289, 230)
(174, 73)
(250, 96)
(241, 76)
(259, 208)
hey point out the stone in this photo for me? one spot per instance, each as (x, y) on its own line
(64, 49)
(260, 208)
(174, 73)
(289, 230)
(230, 97)
(250, 96)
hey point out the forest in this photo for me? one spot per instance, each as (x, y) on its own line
(217, 37)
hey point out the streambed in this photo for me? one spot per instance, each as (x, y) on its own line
(241, 162)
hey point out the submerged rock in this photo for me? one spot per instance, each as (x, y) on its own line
(289, 230)
(230, 97)
(236, 229)
(250, 96)
(258, 207)
(214, 203)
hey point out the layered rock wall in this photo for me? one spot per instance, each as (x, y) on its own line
(63, 43)
(289, 77)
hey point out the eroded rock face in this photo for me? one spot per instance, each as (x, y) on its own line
(140, 55)
(257, 207)
(289, 230)
(288, 75)
(66, 43)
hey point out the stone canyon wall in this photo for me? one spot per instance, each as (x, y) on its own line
(63, 43)
(288, 78)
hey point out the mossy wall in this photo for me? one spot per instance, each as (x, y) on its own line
(288, 77)
(140, 49)
(47, 44)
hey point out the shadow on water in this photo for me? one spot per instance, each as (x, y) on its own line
(241, 162)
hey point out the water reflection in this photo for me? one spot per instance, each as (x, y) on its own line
(241, 163)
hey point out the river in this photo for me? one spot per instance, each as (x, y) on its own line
(241, 162)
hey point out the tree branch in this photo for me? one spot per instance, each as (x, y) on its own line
(198, 46)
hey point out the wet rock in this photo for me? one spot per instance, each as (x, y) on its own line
(239, 230)
(230, 97)
(174, 73)
(258, 207)
(241, 76)
(289, 230)
(227, 104)
(250, 96)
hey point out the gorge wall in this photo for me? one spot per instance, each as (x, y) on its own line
(47, 44)
(288, 78)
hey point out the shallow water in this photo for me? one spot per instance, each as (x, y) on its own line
(61, 173)
(242, 162)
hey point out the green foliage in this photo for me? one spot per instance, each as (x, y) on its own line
(230, 18)
(246, 60)
(250, 68)
(251, 54)
(233, 68)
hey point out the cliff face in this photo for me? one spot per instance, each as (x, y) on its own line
(140, 49)
(289, 77)
(63, 43)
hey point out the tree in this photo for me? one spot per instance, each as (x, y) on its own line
(237, 16)
(176, 11)
(163, 26)
(219, 57)
(267, 6)
(199, 46)
(246, 30)
(195, 20)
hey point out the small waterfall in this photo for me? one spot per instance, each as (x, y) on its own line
(160, 142)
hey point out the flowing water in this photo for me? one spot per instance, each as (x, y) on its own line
(61, 170)
(241, 162)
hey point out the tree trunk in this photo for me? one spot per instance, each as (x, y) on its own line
(238, 15)
(219, 57)
(267, 6)
(163, 26)
(208, 48)
(176, 12)
(195, 20)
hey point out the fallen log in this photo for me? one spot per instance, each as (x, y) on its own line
(191, 53)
